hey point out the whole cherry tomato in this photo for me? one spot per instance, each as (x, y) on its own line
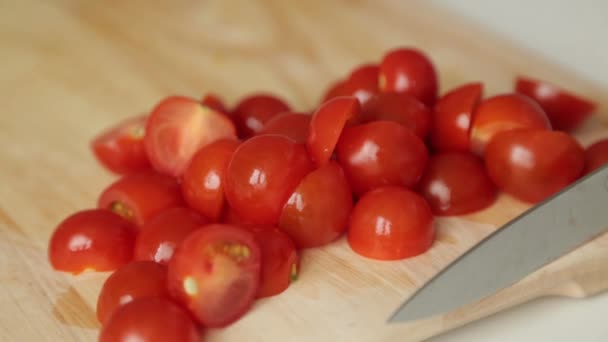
(403, 109)
(596, 155)
(251, 113)
(335, 89)
(291, 125)
(214, 102)
(362, 83)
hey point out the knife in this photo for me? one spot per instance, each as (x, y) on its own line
(540, 235)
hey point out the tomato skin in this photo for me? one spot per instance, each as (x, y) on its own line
(400, 108)
(317, 211)
(160, 235)
(533, 165)
(289, 124)
(91, 239)
(139, 196)
(565, 110)
(334, 90)
(204, 179)
(409, 71)
(251, 113)
(262, 173)
(381, 153)
(150, 319)
(363, 82)
(596, 155)
(452, 117)
(391, 223)
(214, 102)
(137, 279)
(456, 183)
(216, 286)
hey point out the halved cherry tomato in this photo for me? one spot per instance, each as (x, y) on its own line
(565, 110)
(95, 240)
(317, 211)
(596, 155)
(456, 183)
(452, 116)
(391, 223)
(502, 113)
(150, 319)
(291, 125)
(159, 237)
(326, 126)
(381, 153)
(400, 108)
(251, 114)
(533, 165)
(214, 102)
(134, 280)
(139, 196)
(204, 179)
(409, 71)
(177, 128)
(215, 273)
(363, 82)
(262, 174)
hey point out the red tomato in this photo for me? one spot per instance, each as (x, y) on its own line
(533, 165)
(565, 110)
(456, 183)
(409, 71)
(177, 128)
(291, 125)
(139, 196)
(400, 108)
(214, 102)
(335, 89)
(391, 223)
(326, 126)
(451, 118)
(121, 148)
(596, 155)
(254, 111)
(362, 83)
(159, 237)
(317, 211)
(262, 174)
(135, 280)
(204, 179)
(502, 113)
(150, 319)
(381, 153)
(215, 273)
(95, 240)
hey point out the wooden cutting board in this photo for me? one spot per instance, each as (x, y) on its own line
(71, 68)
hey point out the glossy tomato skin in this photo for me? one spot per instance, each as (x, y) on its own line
(262, 173)
(381, 153)
(139, 196)
(204, 179)
(565, 110)
(363, 82)
(338, 88)
(215, 273)
(403, 109)
(317, 211)
(456, 183)
(452, 116)
(410, 71)
(596, 155)
(289, 124)
(214, 102)
(251, 113)
(160, 236)
(391, 223)
(150, 319)
(92, 239)
(137, 279)
(533, 165)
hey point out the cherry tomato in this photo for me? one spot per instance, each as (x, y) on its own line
(135, 280)
(409, 71)
(177, 128)
(565, 110)
(291, 125)
(139, 196)
(215, 273)
(451, 118)
(214, 102)
(159, 237)
(533, 165)
(400, 108)
(381, 153)
(150, 319)
(262, 174)
(391, 223)
(363, 83)
(204, 179)
(456, 183)
(326, 126)
(91, 240)
(252, 113)
(335, 89)
(317, 211)
(505, 112)
(596, 155)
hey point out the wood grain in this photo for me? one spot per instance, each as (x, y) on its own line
(71, 67)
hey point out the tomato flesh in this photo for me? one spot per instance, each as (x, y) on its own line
(291, 125)
(400, 108)
(596, 155)
(251, 113)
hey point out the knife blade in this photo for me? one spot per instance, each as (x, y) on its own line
(540, 235)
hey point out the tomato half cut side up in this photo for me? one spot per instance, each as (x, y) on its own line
(215, 273)
(292, 125)
(251, 113)
(596, 155)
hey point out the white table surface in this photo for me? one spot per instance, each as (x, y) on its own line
(572, 33)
